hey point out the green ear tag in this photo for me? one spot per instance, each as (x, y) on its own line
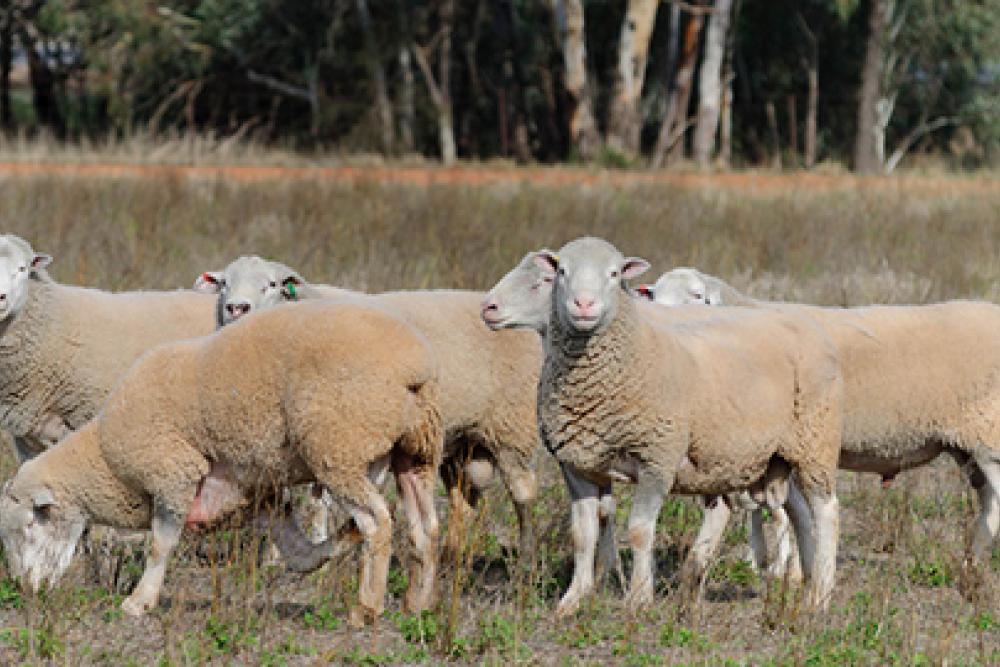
(291, 290)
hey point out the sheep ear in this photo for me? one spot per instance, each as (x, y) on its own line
(547, 261)
(42, 498)
(210, 281)
(633, 267)
(40, 261)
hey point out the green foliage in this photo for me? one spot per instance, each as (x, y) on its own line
(228, 636)
(299, 73)
(10, 594)
(932, 573)
(496, 633)
(422, 628)
(322, 617)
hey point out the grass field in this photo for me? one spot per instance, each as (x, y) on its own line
(896, 600)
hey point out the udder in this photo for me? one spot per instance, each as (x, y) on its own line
(218, 495)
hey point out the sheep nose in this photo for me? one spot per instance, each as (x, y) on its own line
(584, 303)
(237, 310)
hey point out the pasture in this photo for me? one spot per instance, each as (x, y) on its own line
(914, 239)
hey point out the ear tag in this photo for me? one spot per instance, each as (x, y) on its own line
(291, 290)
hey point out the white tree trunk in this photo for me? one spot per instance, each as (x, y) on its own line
(625, 123)
(710, 82)
(582, 126)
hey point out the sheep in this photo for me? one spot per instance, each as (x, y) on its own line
(488, 382)
(308, 392)
(521, 299)
(687, 286)
(912, 391)
(63, 348)
(720, 404)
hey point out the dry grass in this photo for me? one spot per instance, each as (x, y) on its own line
(896, 599)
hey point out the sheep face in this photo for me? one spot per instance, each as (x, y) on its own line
(590, 277)
(249, 284)
(39, 532)
(680, 287)
(521, 299)
(18, 262)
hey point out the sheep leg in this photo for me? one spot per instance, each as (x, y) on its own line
(646, 504)
(416, 490)
(706, 543)
(787, 562)
(461, 500)
(373, 520)
(584, 520)
(522, 485)
(823, 508)
(167, 527)
(758, 542)
(988, 522)
(607, 549)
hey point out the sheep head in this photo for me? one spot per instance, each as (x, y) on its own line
(18, 263)
(590, 277)
(39, 530)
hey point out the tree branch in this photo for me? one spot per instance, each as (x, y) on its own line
(280, 86)
(916, 133)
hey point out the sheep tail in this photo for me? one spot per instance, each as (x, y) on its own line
(424, 439)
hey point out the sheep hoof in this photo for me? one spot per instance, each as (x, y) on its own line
(636, 600)
(567, 606)
(361, 615)
(136, 607)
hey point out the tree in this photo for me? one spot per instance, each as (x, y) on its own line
(624, 120)
(439, 86)
(710, 83)
(582, 125)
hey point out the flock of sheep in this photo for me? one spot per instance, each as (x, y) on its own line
(166, 410)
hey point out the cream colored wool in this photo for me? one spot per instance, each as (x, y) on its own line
(68, 347)
(918, 381)
(306, 392)
(488, 380)
(706, 407)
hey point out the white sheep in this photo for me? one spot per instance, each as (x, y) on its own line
(720, 404)
(198, 429)
(522, 299)
(686, 286)
(912, 389)
(62, 348)
(488, 383)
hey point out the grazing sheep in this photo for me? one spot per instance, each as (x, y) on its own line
(488, 383)
(197, 429)
(722, 404)
(522, 299)
(63, 348)
(912, 390)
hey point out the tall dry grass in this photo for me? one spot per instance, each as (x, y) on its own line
(896, 600)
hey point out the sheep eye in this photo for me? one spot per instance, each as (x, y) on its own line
(562, 271)
(44, 513)
(23, 269)
(614, 274)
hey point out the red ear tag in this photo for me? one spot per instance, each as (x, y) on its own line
(207, 278)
